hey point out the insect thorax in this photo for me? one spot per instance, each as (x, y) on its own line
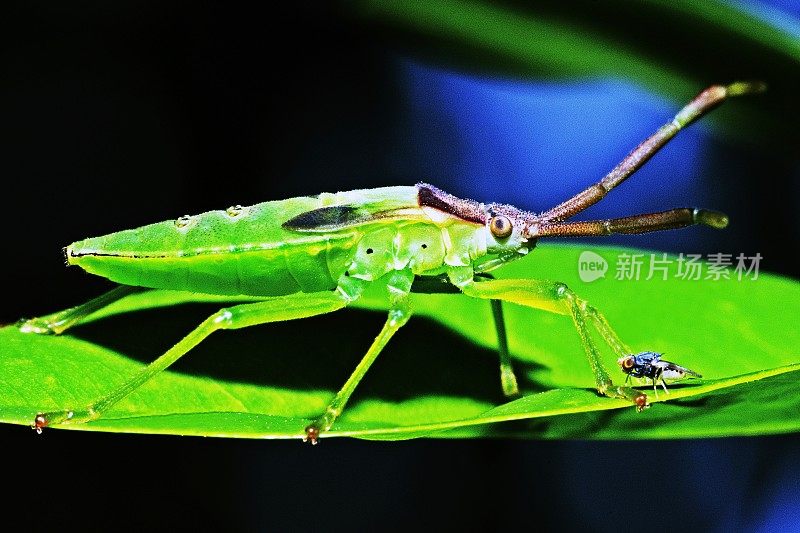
(418, 246)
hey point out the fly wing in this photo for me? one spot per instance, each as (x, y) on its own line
(673, 371)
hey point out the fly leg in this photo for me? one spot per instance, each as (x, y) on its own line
(59, 322)
(663, 381)
(555, 298)
(398, 286)
(240, 316)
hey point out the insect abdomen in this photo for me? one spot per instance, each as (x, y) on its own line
(257, 273)
(218, 252)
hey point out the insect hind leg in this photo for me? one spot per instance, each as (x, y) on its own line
(235, 317)
(58, 323)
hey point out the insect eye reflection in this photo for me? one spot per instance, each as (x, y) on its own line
(500, 227)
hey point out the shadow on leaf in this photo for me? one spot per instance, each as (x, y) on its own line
(424, 358)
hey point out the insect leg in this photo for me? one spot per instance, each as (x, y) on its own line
(442, 285)
(699, 106)
(398, 316)
(507, 377)
(250, 314)
(508, 380)
(606, 331)
(58, 323)
(400, 312)
(555, 298)
(663, 381)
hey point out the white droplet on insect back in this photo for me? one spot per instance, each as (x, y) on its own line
(183, 221)
(234, 210)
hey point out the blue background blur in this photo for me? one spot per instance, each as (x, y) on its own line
(125, 114)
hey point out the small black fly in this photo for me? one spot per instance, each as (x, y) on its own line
(650, 365)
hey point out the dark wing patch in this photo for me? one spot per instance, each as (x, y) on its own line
(325, 218)
(338, 217)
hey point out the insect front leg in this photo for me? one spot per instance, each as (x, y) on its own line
(240, 316)
(558, 298)
(508, 379)
(58, 323)
(442, 285)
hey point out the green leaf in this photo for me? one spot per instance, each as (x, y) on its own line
(439, 376)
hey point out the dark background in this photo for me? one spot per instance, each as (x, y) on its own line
(123, 114)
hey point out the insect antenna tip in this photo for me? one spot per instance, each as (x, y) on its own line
(710, 218)
(746, 87)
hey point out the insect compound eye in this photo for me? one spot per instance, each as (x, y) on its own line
(500, 227)
(627, 363)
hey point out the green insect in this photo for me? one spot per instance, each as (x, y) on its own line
(313, 255)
